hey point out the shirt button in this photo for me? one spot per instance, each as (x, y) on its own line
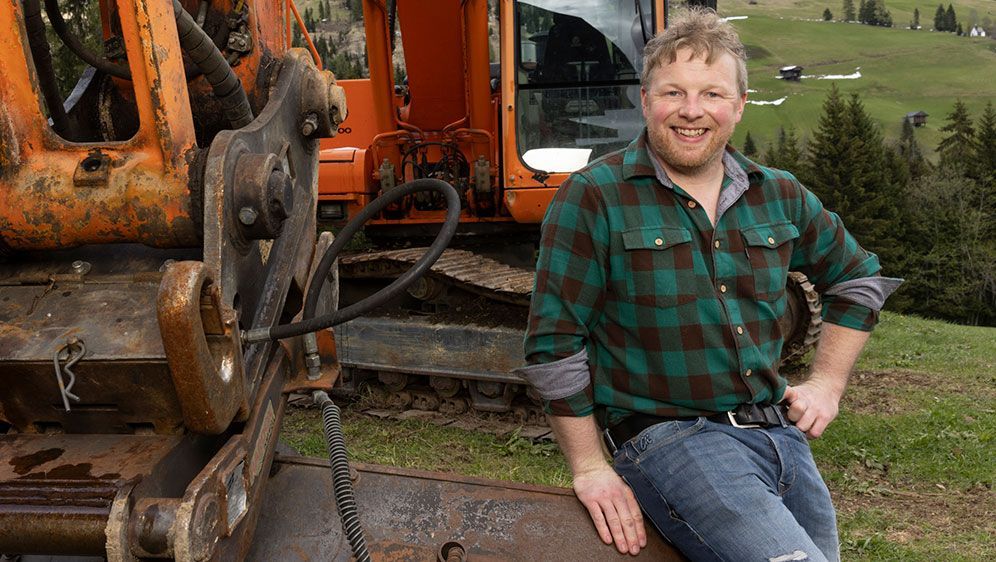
(716, 243)
(659, 242)
(722, 288)
(740, 330)
(771, 240)
(691, 204)
(748, 373)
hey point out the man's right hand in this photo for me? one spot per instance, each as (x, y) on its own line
(612, 507)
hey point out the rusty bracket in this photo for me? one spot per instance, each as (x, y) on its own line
(201, 341)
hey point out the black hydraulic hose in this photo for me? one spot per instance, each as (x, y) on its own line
(42, 57)
(201, 48)
(310, 323)
(206, 56)
(342, 485)
(74, 44)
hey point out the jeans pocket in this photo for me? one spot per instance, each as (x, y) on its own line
(661, 435)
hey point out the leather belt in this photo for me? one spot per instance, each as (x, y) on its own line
(744, 416)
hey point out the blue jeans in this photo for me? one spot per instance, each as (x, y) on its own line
(719, 492)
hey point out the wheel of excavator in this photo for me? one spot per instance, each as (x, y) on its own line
(802, 322)
(393, 382)
(446, 387)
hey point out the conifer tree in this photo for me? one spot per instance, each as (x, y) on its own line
(939, 19)
(750, 149)
(847, 168)
(909, 151)
(863, 11)
(770, 157)
(916, 19)
(789, 154)
(827, 14)
(959, 31)
(950, 20)
(848, 10)
(985, 143)
(957, 148)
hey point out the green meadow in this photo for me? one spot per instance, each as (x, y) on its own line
(901, 71)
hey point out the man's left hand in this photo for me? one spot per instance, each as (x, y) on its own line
(812, 406)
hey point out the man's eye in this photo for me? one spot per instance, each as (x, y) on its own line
(672, 93)
(712, 95)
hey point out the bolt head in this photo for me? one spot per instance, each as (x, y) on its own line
(247, 216)
(81, 267)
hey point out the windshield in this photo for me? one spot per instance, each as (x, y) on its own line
(578, 78)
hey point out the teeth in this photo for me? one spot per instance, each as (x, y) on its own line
(690, 132)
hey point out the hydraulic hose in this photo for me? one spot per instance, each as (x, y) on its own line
(201, 49)
(311, 323)
(74, 44)
(42, 56)
(342, 486)
(206, 56)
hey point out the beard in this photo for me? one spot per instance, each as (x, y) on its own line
(687, 160)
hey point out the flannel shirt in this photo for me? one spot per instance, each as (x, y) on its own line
(664, 313)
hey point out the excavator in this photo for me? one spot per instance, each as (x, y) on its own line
(505, 123)
(163, 289)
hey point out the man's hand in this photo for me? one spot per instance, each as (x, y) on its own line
(812, 406)
(612, 507)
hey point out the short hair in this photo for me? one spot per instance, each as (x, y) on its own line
(705, 33)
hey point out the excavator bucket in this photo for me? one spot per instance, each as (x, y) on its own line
(418, 515)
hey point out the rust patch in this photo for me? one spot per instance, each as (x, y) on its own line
(23, 464)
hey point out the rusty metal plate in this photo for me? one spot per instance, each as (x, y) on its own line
(415, 345)
(408, 515)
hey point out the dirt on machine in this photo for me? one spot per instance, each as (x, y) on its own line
(164, 290)
(505, 123)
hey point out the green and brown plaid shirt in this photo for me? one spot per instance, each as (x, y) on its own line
(641, 305)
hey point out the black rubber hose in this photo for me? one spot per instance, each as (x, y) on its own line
(71, 41)
(42, 57)
(342, 485)
(206, 56)
(313, 324)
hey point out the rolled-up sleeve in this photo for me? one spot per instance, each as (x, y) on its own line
(567, 298)
(845, 274)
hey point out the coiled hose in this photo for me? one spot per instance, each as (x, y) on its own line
(345, 499)
(342, 486)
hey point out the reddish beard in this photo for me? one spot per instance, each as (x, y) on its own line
(688, 162)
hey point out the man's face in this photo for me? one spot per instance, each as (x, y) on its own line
(691, 109)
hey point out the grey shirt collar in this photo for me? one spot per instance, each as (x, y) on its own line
(728, 196)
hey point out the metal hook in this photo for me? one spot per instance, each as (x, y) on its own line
(71, 358)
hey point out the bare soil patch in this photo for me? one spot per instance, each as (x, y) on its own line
(882, 392)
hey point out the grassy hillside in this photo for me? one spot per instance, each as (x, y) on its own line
(910, 461)
(901, 71)
(969, 12)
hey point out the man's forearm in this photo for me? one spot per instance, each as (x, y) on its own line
(579, 440)
(815, 403)
(836, 354)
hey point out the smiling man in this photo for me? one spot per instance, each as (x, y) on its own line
(660, 279)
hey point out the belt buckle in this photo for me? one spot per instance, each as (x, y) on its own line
(735, 423)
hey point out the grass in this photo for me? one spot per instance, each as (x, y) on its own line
(969, 12)
(910, 461)
(901, 71)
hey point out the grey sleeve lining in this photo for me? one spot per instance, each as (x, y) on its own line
(866, 291)
(558, 379)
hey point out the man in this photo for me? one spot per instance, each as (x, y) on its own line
(660, 279)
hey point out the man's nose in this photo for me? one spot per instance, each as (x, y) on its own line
(691, 107)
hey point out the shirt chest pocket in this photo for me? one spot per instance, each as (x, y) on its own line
(769, 249)
(659, 266)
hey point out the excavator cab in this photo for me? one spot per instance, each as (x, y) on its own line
(578, 79)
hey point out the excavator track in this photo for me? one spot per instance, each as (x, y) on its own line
(451, 344)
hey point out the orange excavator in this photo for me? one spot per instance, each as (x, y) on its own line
(162, 291)
(505, 123)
